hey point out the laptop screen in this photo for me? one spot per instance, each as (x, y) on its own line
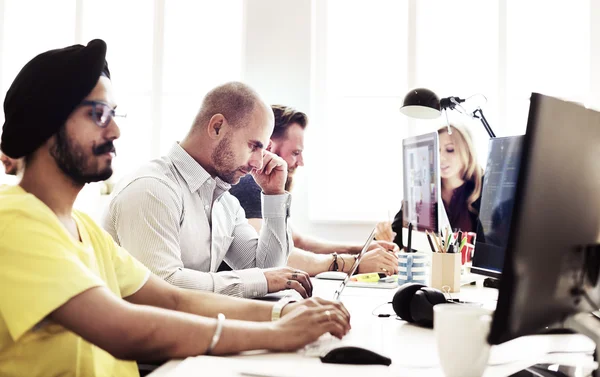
(338, 291)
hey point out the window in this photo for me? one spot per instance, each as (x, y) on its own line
(26, 33)
(359, 129)
(457, 55)
(129, 58)
(376, 50)
(180, 32)
(550, 56)
(195, 61)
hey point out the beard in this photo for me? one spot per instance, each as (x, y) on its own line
(223, 160)
(289, 183)
(73, 161)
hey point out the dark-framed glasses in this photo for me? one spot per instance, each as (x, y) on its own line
(101, 112)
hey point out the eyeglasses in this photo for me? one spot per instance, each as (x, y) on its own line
(102, 113)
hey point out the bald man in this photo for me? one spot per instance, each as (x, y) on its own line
(176, 215)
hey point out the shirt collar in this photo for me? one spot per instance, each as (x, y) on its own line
(192, 172)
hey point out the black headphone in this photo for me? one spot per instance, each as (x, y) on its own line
(414, 303)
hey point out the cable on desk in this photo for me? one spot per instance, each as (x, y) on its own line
(381, 315)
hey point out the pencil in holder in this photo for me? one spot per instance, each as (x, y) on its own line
(445, 271)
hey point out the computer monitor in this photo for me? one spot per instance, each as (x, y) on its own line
(552, 259)
(497, 199)
(422, 204)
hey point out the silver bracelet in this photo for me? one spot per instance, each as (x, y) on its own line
(217, 335)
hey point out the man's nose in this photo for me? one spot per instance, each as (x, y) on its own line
(112, 131)
(300, 160)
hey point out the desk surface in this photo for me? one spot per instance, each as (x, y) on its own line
(412, 349)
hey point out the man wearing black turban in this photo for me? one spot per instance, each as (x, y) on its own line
(63, 279)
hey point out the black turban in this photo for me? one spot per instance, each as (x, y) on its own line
(46, 92)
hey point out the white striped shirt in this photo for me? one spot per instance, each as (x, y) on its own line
(182, 223)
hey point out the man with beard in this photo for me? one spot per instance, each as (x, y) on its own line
(287, 141)
(75, 303)
(176, 215)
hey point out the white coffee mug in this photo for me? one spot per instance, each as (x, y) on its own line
(461, 333)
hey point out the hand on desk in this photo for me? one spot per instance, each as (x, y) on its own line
(281, 278)
(305, 321)
(379, 260)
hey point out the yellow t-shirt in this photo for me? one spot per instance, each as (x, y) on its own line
(41, 268)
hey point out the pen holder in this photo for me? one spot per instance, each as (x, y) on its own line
(445, 271)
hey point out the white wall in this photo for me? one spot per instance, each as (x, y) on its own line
(278, 65)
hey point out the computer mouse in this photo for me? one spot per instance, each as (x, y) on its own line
(354, 355)
(331, 275)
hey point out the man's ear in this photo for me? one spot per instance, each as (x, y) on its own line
(270, 146)
(216, 126)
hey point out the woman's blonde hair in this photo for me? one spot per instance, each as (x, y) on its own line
(472, 171)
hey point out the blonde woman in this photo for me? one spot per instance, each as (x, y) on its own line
(462, 180)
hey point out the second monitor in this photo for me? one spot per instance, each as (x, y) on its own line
(422, 205)
(497, 199)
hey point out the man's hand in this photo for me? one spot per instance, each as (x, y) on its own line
(379, 260)
(273, 175)
(315, 302)
(384, 245)
(384, 232)
(304, 325)
(281, 278)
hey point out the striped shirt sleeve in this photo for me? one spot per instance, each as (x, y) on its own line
(272, 247)
(147, 222)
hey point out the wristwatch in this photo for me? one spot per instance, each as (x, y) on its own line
(278, 307)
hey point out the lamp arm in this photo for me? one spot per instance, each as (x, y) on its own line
(479, 115)
(453, 103)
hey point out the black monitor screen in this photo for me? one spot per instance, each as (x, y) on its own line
(497, 199)
(551, 265)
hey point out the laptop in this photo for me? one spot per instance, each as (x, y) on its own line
(338, 291)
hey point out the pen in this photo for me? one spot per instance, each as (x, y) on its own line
(443, 240)
(408, 248)
(440, 243)
(430, 242)
(459, 238)
(437, 242)
(463, 242)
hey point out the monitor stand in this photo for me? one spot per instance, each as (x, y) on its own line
(491, 283)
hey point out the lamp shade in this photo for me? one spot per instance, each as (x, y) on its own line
(421, 103)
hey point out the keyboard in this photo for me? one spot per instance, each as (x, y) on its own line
(321, 346)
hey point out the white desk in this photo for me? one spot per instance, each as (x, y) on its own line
(412, 349)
